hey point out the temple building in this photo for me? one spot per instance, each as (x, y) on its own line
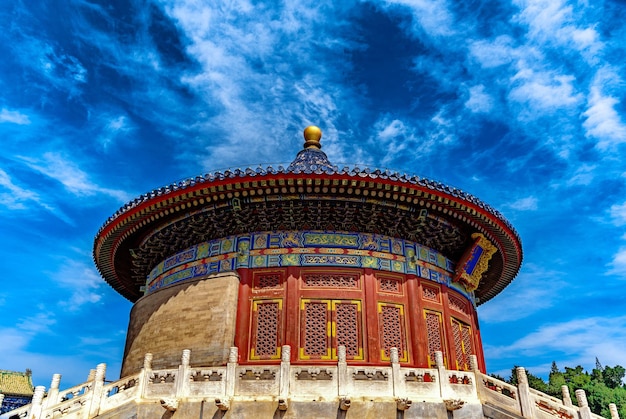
(308, 291)
(16, 389)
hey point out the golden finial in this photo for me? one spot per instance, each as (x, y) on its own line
(312, 135)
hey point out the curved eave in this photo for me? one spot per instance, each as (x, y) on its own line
(139, 218)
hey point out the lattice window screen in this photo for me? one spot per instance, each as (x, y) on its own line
(266, 329)
(430, 293)
(390, 285)
(315, 329)
(434, 332)
(324, 280)
(392, 330)
(462, 344)
(347, 328)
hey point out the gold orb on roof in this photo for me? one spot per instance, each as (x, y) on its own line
(312, 136)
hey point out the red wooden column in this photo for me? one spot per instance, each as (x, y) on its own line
(416, 322)
(242, 331)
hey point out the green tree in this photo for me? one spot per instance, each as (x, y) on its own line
(556, 379)
(614, 376)
(576, 378)
(533, 381)
(603, 386)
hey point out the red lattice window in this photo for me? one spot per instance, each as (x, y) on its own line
(463, 347)
(392, 330)
(315, 329)
(347, 328)
(434, 334)
(335, 280)
(390, 285)
(267, 281)
(455, 303)
(266, 329)
(430, 293)
(330, 322)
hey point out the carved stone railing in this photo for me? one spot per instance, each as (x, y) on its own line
(280, 384)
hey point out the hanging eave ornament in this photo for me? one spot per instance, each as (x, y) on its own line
(474, 262)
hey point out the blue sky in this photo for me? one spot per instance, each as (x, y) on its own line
(521, 103)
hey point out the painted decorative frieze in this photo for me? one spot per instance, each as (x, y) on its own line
(303, 248)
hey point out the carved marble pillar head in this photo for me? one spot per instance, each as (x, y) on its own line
(38, 395)
(147, 361)
(186, 357)
(341, 353)
(581, 396)
(522, 378)
(285, 355)
(473, 362)
(100, 372)
(233, 355)
(439, 359)
(56, 381)
(393, 354)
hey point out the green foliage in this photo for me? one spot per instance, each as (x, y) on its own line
(613, 377)
(533, 381)
(603, 386)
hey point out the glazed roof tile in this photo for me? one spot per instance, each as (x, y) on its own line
(16, 383)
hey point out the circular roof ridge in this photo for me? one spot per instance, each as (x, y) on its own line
(297, 168)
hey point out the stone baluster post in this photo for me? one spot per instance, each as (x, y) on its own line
(53, 392)
(441, 374)
(399, 389)
(184, 371)
(613, 410)
(583, 406)
(145, 374)
(96, 390)
(36, 404)
(567, 400)
(474, 363)
(92, 375)
(342, 371)
(285, 368)
(231, 371)
(525, 400)
(1, 400)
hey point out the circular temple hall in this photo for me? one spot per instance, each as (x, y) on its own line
(312, 256)
(305, 291)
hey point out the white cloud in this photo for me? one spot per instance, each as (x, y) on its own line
(617, 267)
(82, 281)
(535, 289)
(528, 203)
(15, 197)
(583, 176)
(14, 117)
(76, 181)
(249, 55)
(115, 127)
(431, 16)
(543, 91)
(393, 136)
(479, 101)
(618, 214)
(603, 122)
(494, 53)
(39, 323)
(556, 22)
(578, 340)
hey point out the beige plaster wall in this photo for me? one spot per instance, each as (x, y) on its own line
(198, 315)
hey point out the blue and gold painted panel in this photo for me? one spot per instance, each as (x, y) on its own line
(303, 248)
